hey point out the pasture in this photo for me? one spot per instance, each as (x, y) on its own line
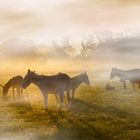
(95, 114)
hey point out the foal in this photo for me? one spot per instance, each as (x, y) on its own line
(14, 83)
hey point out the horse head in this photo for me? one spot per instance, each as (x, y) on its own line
(85, 78)
(27, 80)
(5, 89)
(113, 73)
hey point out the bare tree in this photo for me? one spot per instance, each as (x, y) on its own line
(88, 45)
(66, 43)
(67, 46)
(63, 47)
(58, 49)
(104, 37)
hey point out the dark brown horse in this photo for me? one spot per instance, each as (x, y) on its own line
(131, 75)
(14, 83)
(55, 84)
(76, 81)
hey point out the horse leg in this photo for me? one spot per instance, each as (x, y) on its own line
(13, 93)
(21, 91)
(73, 91)
(45, 95)
(68, 96)
(133, 85)
(61, 95)
(18, 92)
(56, 96)
(124, 84)
(139, 84)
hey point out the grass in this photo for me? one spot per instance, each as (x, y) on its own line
(95, 114)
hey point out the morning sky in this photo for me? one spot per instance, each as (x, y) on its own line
(44, 20)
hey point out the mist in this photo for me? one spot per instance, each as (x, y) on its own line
(99, 51)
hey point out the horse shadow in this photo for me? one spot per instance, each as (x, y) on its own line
(68, 126)
(21, 107)
(81, 106)
(71, 124)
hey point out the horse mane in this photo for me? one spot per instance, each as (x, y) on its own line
(58, 75)
(80, 75)
(120, 70)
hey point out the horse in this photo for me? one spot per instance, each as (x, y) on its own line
(55, 84)
(132, 75)
(14, 83)
(76, 81)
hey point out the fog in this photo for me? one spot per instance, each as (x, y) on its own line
(48, 36)
(97, 52)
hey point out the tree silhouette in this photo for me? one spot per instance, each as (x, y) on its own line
(67, 46)
(88, 45)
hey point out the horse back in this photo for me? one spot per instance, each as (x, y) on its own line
(133, 71)
(132, 75)
(56, 82)
(16, 81)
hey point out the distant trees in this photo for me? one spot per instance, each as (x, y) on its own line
(88, 45)
(67, 46)
(104, 36)
(63, 48)
(19, 48)
(58, 50)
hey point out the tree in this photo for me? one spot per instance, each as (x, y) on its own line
(88, 45)
(67, 46)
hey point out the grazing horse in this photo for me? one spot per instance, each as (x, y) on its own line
(14, 83)
(55, 84)
(132, 75)
(77, 80)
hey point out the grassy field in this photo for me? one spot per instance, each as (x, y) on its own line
(95, 114)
